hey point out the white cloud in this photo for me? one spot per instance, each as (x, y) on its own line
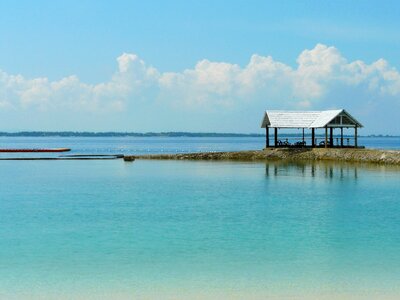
(320, 73)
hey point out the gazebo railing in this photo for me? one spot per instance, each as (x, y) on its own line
(319, 141)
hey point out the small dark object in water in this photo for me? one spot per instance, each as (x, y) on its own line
(129, 158)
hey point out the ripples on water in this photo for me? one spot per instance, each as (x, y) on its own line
(194, 229)
(173, 229)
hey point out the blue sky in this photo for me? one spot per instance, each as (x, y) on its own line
(195, 65)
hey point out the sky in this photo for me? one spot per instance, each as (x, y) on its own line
(200, 66)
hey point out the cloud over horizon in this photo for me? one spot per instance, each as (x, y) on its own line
(323, 78)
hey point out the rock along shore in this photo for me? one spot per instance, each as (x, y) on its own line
(391, 157)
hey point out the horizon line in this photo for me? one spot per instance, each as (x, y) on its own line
(39, 133)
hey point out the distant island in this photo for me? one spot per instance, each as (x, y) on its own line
(146, 134)
(124, 134)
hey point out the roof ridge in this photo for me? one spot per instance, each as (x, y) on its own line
(302, 111)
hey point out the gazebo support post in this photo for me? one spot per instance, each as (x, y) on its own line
(331, 137)
(341, 136)
(313, 137)
(326, 136)
(355, 137)
(266, 137)
(276, 136)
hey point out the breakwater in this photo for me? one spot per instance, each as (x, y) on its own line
(391, 157)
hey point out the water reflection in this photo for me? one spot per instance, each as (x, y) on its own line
(318, 169)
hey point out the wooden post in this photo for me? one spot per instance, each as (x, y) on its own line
(276, 137)
(331, 136)
(326, 136)
(313, 137)
(266, 137)
(303, 135)
(341, 136)
(355, 137)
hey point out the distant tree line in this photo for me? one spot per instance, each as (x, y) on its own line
(124, 134)
(150, 134)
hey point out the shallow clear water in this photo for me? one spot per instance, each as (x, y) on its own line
(170, 229)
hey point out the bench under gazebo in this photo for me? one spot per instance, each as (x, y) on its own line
(329, 120)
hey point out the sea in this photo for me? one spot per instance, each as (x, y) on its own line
(109, 229)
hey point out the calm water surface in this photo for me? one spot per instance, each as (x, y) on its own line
(153, 145)
(170, 229)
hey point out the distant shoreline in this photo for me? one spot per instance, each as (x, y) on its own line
(153, 134)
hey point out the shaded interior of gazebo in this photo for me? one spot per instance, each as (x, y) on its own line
(329, 121)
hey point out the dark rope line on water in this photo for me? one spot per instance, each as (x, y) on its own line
(94, 155)
(68, 157)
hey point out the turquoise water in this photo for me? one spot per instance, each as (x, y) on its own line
(178, 230)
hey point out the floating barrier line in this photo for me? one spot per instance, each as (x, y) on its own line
(22, 150)
(94, 155)
(69, 157)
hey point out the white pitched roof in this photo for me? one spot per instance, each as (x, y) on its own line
(302, 119)
(324, 118)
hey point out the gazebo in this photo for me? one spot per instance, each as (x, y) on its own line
(326, 119)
